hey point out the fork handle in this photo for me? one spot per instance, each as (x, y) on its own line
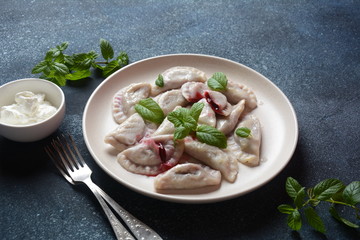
(119, 230)
(138, 228)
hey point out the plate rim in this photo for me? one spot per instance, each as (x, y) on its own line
(174, 198)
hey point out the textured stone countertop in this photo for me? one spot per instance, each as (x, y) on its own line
(309, 49)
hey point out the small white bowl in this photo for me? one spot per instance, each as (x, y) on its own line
(35, 131)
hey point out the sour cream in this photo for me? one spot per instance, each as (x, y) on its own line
(28, 108)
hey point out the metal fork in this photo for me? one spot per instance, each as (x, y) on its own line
(73, 167)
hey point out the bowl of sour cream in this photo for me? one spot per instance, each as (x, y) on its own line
(30, 109)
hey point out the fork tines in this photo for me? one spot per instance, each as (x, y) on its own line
(62, 154)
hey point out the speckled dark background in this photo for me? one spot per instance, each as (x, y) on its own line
(309, 49)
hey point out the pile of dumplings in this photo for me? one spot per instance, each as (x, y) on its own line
(149, 149)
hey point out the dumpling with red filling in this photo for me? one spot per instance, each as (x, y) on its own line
(152, 155)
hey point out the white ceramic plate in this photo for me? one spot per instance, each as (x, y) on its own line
(278, 119)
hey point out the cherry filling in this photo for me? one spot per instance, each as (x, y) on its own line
(162, 152)
(197, 97)
(213, 105)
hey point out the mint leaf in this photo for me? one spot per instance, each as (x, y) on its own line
(196, 109)
(314, 220)
(243, 132)
(40, 67)
(181, 132)
(294, 220)
(123, 59)
(150, 110)
(181, 118)
(351, 193)
(63, 46)
(106, 49)
(292, 187)
(68, 59)
(327, 188)
(336, 215)
(78, 75)
(159, 81)
(60, 68)
(211, 136)
(285, 208)
(299, 199)
(110, 68)
(83, 61)
(217, 82)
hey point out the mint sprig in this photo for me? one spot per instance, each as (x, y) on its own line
(59, 67)
(305, 201)
(218, 82)
(185, 122)
(150, 110)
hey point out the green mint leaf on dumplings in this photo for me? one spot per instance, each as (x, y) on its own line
(331, 191)
(211, 136)
(185, 122)
(243, 132)
(59, 67)
(181, 132)
(196, 109)
(106, 49)
(218, 82)
(181, 118)
(159, 81)
(150, 110)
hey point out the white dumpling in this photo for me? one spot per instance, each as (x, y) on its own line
(187, 176)
(213, 157)
(193, 91)
(235, 92)
(227, 124)
(126, 98)
(170, 99)
(207, 115)
(166, 127)
(218, 102)
(127, 133)
(175, 77)
(152, 155)
(250, 146)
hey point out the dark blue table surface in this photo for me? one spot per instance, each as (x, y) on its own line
(309, 49)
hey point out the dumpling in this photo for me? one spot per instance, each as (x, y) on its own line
(218, 102)
(227, 124)
(250, 146)
(207, 115)
(166, 127)
(193, 91)
(175, 77)
(235, 92)
(187, 176)
(127, 133)
(213, 157)
(126, 98)
(171, 99)
(152, 155)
